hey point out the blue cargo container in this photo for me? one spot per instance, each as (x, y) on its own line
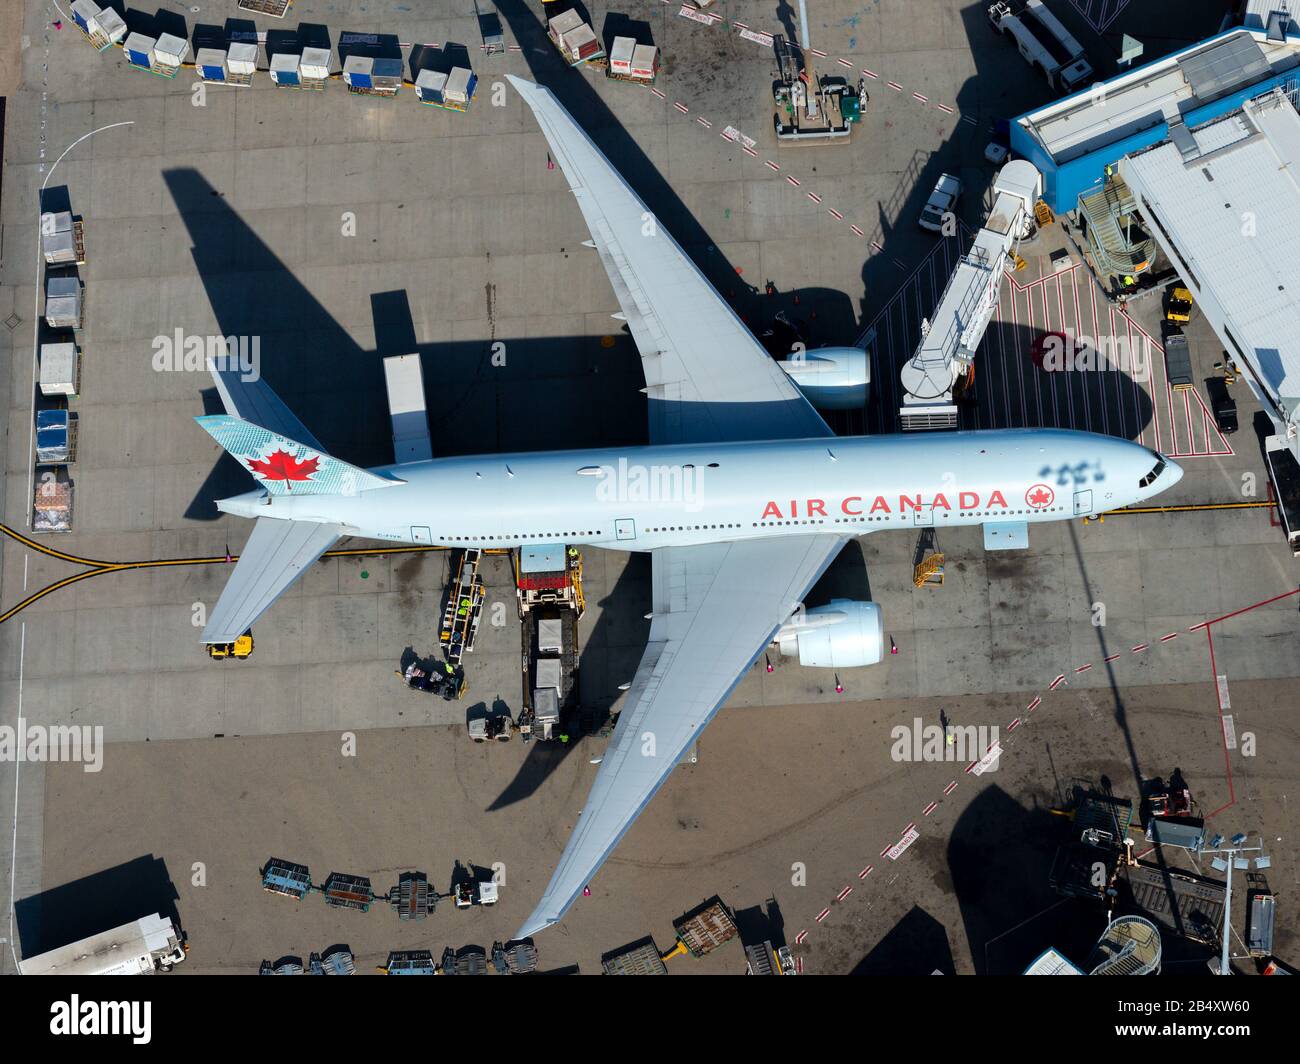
(140, 50)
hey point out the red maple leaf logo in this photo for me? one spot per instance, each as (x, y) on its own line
(1041, 495)
(281, 465)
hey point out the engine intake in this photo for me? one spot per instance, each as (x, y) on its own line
(831, 378)
(844, 634)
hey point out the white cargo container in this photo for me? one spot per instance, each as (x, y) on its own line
(460, 88)
(620, 55)
(241, 58)
(110, 24)
(431, 87)
(63, 302)
(171, 51)
(315, 64)
(645, 62)
(60, 369)
(84, 11)
(142, 947)
(58, 237)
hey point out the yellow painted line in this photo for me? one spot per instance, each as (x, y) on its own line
(1191, 507)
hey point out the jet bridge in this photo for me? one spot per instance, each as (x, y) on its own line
(950, 338)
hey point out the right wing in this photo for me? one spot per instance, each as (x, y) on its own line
(716, 606)
(275, 555)
(706, 376)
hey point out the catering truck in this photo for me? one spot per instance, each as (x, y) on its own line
(142, 947)
(1044, 43)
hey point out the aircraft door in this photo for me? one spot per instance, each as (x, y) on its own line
(1083, 502)
(923, 517)
(625, 528)
(421, 534)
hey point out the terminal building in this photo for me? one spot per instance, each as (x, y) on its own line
(1192, 162)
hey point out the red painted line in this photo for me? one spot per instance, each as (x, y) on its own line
(814, 197)
(844, 62)
(1139, 648)
(799, 938)
(1013, 725)
(993, 746)
(1247, 609)
(930, 808)
(844, 894)
(1033, 705)
(950, 788)
(835, 214)
(909, 827)
(681, 107)
(895, 86)
(1108, 660)
(819, 55)
(704, 122)
(793, 180)
(658, 93)
(770, 165)
(1056, 683)
(724, 136)
(971, 766)
(866, 872)
(918, 96)
(1166, 638)
(857, 230)
(798, 965)
(876, 246)
(870, 73)
(742, 25)
(1084, 668)
(945, 108)
(822, 915)
(886, 849)
(749, 151)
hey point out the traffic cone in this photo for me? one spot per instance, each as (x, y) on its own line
(893, 647)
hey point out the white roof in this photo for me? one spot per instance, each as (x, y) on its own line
(1051, 962)
(1199, 189)
(1144, 97)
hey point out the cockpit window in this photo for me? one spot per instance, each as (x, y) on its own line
(1150, 478)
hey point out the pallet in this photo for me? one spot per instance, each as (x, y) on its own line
(274, 8)
(386, 94)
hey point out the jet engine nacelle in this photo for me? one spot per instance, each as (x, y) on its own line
(832, 378)
(842, 635)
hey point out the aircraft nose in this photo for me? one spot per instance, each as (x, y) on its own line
(1173, 472)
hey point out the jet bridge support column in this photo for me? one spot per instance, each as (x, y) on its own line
(950, 338)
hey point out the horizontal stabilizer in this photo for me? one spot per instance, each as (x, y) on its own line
(275, 555)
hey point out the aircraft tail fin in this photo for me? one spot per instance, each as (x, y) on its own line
(286, 467)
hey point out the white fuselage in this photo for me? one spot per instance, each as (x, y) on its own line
(640, 498)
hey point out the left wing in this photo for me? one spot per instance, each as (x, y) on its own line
(716, 606)
(707, 378)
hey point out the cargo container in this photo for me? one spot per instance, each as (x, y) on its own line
(139, 51)
(284, 69)
(56, 437)
(358, 72)
(170, 52)
(60, 369)
(63, 302)
(640, 958)
(549, 591)
(386, 75)
(210, 64)
(241, 63)
(109, 27)
(629, 61)
(315, 67)
(431, 87)
(62, 242)
(460, 88)
(1178, 359)
(575, 39)
(52, 502)
(144, 946)
(84, 12)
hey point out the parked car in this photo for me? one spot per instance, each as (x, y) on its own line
(947, 191)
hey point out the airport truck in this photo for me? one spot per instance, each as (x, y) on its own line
(1044, 43)
(548, 582)
(144, 946)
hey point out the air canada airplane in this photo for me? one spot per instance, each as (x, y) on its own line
(743, 497)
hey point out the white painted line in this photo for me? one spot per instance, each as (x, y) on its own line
(866, 872)
(929, 808)
(900, 847)
(1229, 732)
(822, 915)
(1224, 701)
(844, 894)
(950, 788)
